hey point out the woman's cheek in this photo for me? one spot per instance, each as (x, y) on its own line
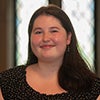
(35, 39)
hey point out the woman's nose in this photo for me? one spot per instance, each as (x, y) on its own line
(46, 37)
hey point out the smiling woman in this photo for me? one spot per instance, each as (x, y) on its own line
(83, 22)
(52, 71)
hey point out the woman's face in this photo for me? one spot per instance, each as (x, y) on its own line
(48, 38)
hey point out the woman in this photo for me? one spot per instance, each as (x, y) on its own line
(54, 70)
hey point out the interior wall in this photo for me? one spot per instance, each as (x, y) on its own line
(98, 35)
(10, 34)
(6, 34)
(3, 33)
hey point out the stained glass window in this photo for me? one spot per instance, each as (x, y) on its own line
(24, 10)
(81, 13)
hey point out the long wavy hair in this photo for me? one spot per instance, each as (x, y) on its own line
(73, 73)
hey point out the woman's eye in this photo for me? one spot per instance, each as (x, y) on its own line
(38, 32)
(53, 31)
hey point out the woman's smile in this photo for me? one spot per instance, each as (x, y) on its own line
(47, 46)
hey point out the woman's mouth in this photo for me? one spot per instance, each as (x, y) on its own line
(47, 46)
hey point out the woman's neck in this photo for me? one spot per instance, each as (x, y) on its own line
(48, 69)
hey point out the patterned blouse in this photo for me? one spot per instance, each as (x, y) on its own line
(14, 87)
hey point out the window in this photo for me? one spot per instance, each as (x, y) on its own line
(81, 13)
(24, 11)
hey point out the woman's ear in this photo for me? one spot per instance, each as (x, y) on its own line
(69, 35)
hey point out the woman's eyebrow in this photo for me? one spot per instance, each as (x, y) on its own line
(37, 28)
(54, 27)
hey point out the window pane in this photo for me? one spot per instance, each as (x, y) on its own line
(24, 11)
(81, 13)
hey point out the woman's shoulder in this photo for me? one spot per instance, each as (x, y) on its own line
(89, 93)
(95, 90)
(96, 84)
(95, 87)
(97, 80)
(12, 73)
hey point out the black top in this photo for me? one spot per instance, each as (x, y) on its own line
(14, 87)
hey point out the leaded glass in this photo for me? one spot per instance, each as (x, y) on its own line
(24, 10)
(81, 13)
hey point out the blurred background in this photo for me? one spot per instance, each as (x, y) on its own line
(14, 19)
